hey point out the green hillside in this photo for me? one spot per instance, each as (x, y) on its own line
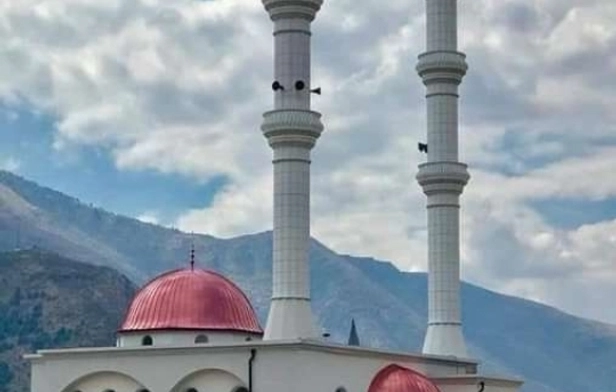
(48, 301)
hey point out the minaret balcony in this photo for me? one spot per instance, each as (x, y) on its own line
(292, 9)
(442, 67)
(443, 177)
(292, 126)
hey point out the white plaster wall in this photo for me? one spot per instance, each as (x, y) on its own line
(277, 368)
(309, 371)
(158, 370)
(183, 338)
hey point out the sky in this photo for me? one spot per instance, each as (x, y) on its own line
(152, 108)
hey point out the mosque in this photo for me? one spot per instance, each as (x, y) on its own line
(193, 330)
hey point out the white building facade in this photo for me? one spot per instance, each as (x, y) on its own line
(301, 366)
(192, 330)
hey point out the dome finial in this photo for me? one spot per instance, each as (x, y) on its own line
(192, 254)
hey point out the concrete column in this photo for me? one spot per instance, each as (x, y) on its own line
(292, 129)
(443, 178)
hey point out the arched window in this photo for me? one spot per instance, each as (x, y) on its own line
(201, 339)
(341, 389)
(147, 340)
(192, 390)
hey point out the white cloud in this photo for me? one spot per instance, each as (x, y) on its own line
(149, 217)
(239, 208)
(178, 86)
(511, 249)
(10, 164)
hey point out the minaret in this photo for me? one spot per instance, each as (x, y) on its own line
(291, 130)
(443, 178)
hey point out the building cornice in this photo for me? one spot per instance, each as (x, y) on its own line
(473, 379)
(310, 345)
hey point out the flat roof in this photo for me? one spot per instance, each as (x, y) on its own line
(314, 345)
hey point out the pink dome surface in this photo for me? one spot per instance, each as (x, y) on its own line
(395, 378)
(189, 299)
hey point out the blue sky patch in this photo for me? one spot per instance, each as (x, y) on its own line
(570, 214)
(89, 174)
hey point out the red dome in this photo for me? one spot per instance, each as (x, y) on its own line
(394, 378)
(189, 299)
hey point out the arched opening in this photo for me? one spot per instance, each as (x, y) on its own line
(207, 380)
(202, 339)
(147, 341)
(143, 390)
(104, 381)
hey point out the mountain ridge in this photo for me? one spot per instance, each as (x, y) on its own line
(553, 351)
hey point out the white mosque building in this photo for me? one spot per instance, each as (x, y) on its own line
(192, 330)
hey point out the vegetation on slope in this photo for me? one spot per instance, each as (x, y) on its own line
(47, 301)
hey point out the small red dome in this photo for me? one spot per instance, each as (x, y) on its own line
(394, 378)
(189, 299)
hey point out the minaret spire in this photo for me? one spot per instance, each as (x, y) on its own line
(291, 129)
(353, 335)
(443, 178)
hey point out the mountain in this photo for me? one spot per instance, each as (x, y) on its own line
(49, 301)
(551, 350)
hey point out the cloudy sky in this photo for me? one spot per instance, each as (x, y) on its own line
(152, 108)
